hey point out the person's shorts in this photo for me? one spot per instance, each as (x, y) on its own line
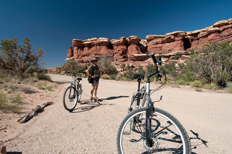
(95, 81)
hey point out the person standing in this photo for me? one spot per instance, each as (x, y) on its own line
(93, 71)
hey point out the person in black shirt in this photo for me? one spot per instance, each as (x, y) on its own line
(93, 71)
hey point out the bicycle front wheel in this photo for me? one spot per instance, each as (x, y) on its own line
(167, 134)
(70, 98)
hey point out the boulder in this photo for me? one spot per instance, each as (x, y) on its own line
(77, 42)
(134, 39)
(221, 23)
(152, 37)
(230, 21)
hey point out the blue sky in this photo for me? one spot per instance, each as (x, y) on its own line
(52, 24)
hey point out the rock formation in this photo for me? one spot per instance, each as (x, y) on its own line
(134, 49)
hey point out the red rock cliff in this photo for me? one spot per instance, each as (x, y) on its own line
(135, 49)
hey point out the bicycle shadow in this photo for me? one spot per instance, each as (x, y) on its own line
(112, 98)
(194, 145)
(87, 105)
(61, 82)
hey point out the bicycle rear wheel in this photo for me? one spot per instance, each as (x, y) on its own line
(167, 134)
(70, 98)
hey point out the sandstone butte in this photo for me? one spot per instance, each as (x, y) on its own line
(134, 50)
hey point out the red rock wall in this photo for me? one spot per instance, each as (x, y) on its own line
(135, 49)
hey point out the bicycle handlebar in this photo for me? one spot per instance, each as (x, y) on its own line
(156, 61)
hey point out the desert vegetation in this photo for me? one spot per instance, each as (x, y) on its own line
(21, 74)
(208, 68)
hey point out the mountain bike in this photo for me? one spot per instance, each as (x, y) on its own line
(72, 94)
(150, 129)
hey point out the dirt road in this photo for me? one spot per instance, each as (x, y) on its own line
(92, 127)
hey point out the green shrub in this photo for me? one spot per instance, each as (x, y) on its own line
(198, 89)
(1, 81)
(186, 52)
(49, 88)
(5, 107)
(83, 75)
(39, 85)
(2, 99)
(15, 99)
(177, 55)
(171, 70)
(210, 86)
(13, 88)
(41, 76)
(229, 87)
(24, 76)
(181, 82)
(123, 78)
(105, 76)
(196, 83)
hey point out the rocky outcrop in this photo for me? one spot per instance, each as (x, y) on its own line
(135, 49)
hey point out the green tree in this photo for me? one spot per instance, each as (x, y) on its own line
(215, 66)
(16, 59)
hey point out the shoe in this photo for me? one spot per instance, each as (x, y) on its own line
(91, 99)
(95, 98)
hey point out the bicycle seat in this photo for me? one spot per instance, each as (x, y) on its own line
(79, 79)
(138, 76)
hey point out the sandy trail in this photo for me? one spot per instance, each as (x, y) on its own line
(92, 128)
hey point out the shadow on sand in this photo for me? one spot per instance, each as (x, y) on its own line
(196, 137)
(88, 105)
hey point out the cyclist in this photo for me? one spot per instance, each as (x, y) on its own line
(93, 71)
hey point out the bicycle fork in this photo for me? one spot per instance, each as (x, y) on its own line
(149, 111)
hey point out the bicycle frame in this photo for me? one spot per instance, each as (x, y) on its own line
(75, 83)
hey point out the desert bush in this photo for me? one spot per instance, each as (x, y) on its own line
(171, 70)
(210, 86)
(181, 82)
(15, 99)
(27, 90)
(104, 63)
(196, 83)
(215, 66)
(229, 87)
(105, 76)
(5, 106)
(41, 76)
(1, 81)
(39, 85)
(83, 75)
(49, 88)
(2, 99)
(198, 89)
(177, 55)
(140, 70)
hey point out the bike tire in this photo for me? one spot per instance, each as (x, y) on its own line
(168, 135)
(70, 102)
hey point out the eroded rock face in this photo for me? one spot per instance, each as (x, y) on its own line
(134, 48)
(70, 52)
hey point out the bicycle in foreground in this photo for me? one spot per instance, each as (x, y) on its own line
(150, 129)
(72, 94)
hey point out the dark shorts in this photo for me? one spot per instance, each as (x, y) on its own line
(95, 81)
